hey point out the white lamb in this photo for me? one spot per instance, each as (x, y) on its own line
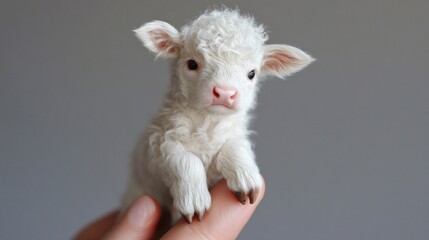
(201, 132)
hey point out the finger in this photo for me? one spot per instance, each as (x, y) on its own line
(225, 219)
(98, 228)
(139, 221)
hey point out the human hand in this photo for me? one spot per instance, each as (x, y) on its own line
(224, 220)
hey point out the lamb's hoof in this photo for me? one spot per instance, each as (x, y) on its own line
(200, 216)
(241, 196)
(188, 218)
(253, 195)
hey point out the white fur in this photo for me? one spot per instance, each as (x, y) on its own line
(192, 144)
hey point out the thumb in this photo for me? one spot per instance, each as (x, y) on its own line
(139, 221)
(225, 219)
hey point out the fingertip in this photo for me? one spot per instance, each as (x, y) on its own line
(139, 221)
(144, 211)
(261, 192)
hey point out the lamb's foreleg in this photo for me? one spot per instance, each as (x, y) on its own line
(236, 162)
(185, 176)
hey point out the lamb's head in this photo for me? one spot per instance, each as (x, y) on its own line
(219, 59)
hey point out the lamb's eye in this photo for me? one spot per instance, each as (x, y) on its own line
(251, 74)
(192, 65)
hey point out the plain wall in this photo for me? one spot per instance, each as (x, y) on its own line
(343, 145)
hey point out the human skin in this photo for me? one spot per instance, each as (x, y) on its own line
(225, 220)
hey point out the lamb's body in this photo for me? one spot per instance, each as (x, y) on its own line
(201, 134)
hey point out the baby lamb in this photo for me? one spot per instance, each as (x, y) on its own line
(201, 132)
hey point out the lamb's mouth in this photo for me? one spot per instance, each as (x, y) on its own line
(221, 109)
(227, 103)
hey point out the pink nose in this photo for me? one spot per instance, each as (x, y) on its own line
(224, 96)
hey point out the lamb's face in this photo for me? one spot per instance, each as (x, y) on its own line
(218, 85)
(220, 58)
(219, 81)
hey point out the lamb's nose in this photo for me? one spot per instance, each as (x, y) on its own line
(224, 96)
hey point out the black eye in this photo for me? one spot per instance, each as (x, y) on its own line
(251, 74)
(192, 65)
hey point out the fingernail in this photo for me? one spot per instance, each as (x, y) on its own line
(141, 212)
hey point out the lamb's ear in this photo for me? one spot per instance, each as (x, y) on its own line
(283, 60)
(160, 37)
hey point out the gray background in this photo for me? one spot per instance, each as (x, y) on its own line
(343, 145)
